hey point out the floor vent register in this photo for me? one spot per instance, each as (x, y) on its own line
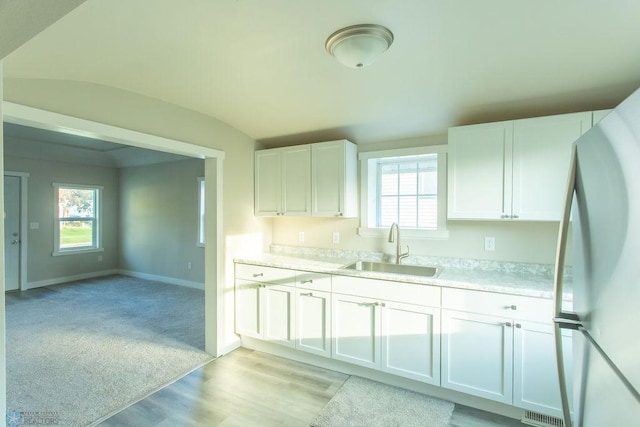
(540, 420)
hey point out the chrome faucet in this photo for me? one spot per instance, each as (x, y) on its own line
(396, 237)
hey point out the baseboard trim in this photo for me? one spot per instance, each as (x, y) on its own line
(65, 279)
(163, 279)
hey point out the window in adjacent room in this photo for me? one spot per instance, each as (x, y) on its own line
(406, 186)
(200, 212)
(77, 217)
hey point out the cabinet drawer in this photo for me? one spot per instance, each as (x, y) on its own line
(410, 293)
(313, 281)
(503, 305)
(259, 273)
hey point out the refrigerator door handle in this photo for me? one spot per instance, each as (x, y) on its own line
(558, 316)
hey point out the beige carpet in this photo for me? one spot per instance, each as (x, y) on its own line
(79, 352)
(362, 402)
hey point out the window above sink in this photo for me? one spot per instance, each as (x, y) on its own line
(407, 186)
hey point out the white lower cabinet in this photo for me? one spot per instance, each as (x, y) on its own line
(395, 337)
(411, 341)
(356, 330)
(501, 347)
(495, 346)
(248, 308)
(279, 310)
(265, 303)
(477, 355)
(535, 378)
(313, 321)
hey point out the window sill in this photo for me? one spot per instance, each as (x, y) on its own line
(77, 251)
(405, 233)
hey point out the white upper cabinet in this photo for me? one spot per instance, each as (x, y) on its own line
(283, 181)
(307, 180)
(334, 179)
(479, 169)
(541, 157)
(513, 170)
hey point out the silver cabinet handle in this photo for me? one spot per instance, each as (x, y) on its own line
(308, 294)
(504, 216)
(515, 216)
(518, 325)
(507, 324)
(339, 214)
(258, 274)
(307, 281)
(514, 307)
(369, 304)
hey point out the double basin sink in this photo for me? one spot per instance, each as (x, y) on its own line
(383, 267)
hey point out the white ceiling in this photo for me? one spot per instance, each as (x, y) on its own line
(260, 65)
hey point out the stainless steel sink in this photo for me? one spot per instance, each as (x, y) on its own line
(383, 267)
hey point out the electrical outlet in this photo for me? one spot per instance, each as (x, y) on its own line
(336, 237)
(301, 236)
(489, 243)
(189, 265)
(99, 258)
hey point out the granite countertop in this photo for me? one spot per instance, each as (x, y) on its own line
(516, 281)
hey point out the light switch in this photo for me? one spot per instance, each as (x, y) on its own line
(34, 225)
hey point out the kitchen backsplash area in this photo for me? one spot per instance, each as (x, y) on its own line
(515, 268)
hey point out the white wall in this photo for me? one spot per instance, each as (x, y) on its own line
(159, 220)
(43, 268)
(143, 114)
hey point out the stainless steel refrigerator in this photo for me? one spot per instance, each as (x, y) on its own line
(602, 208)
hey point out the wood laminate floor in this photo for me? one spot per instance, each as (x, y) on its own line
(249, 388)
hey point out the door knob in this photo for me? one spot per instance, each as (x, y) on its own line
(15, 242)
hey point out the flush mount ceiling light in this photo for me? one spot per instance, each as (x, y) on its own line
(359, 45)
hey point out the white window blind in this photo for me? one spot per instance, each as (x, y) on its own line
(407, 191)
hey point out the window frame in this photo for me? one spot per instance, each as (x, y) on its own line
(368, 206)
(97, 219)
(200, 239)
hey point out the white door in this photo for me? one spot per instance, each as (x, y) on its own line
(279, 308)
(480, 171)
(411, 341)
(328, 168)
(313, 319)
(248, 308)
(541, 157)
(296, 185)
(535, 375)
(12, 239)
(356, 330)
(268, 183)
(477, 355)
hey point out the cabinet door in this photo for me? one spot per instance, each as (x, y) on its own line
(477, 355)
(248, 308)
(279, 309)
(296, 181)
(313, 322)
(479, 172)
(328, 178)
(535, 375)
(411, 341)
(541, 156)
(268, 183)
(356, 330)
